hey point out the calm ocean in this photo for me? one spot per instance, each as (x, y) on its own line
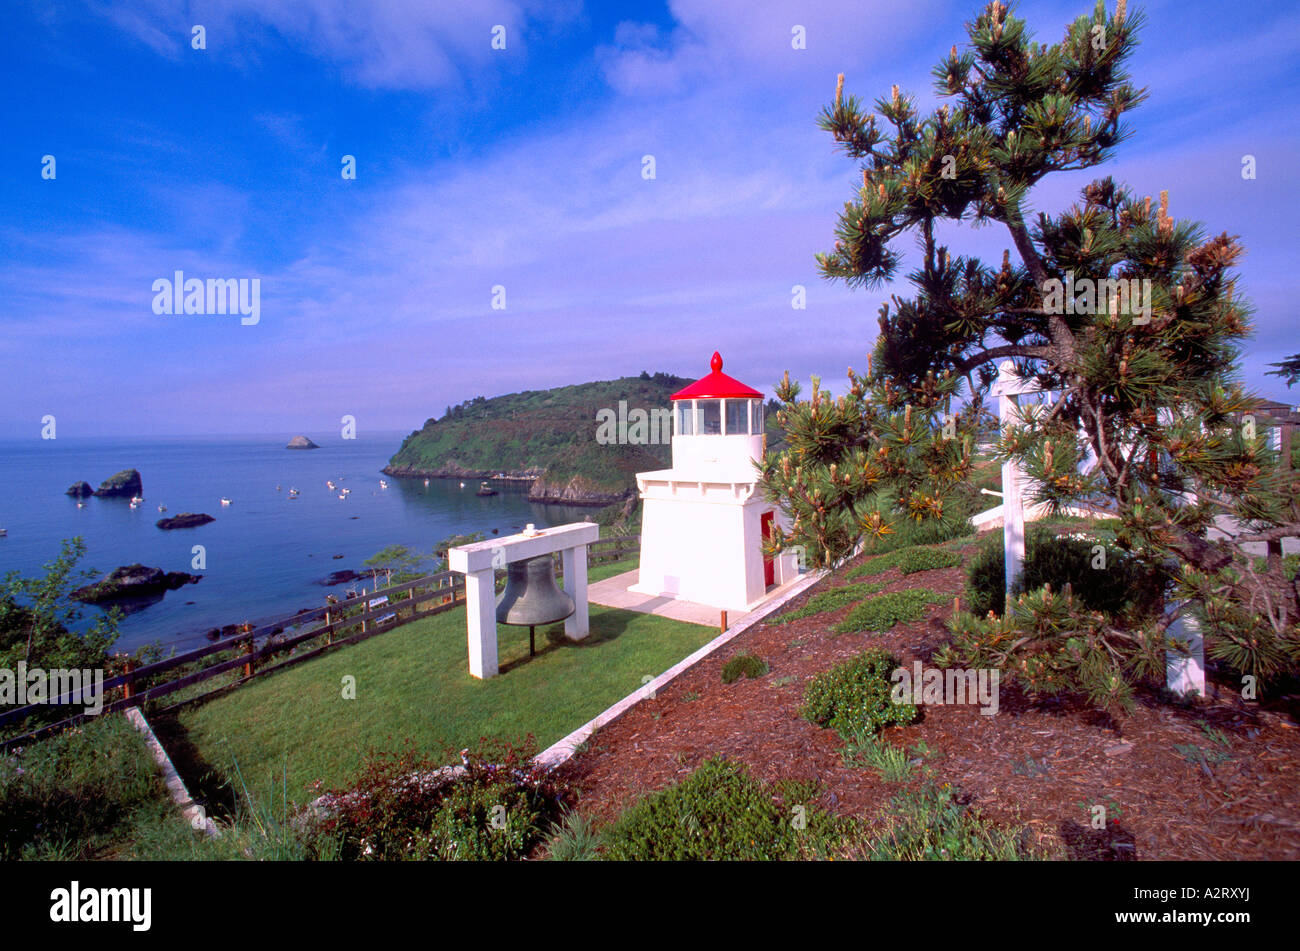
(264, 552)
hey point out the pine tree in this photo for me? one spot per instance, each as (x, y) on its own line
(1144, 381)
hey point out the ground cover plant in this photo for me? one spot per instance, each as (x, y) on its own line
(743, 665)
(885, 610)
(830, 600)
(854, 696)
(721, 811)
(908, 561)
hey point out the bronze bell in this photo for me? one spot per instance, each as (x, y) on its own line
(532, 597)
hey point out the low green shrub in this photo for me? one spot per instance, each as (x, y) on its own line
(885, 610)
(743, 665)
(1123, 588)
(908, 561)
(932, 824)
(854, 696)
(500, 807)
(721, 811)
(830, 600)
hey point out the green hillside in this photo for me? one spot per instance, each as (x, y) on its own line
(547, 437)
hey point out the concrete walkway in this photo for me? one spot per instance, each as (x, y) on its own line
(613, 593)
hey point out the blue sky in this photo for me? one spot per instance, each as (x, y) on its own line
(522, 168)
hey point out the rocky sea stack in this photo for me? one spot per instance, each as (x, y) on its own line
(126, 484)
(133, 581)
(301, 442)
(185, 520)
(80, 490)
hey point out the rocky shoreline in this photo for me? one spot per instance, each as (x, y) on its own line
(573, 492)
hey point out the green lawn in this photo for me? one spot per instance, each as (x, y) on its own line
(413, 684)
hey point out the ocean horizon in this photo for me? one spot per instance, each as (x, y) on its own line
(265, 554)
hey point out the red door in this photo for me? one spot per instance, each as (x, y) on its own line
(769, 569)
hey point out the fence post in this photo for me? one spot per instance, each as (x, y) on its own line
(722, 622)
(127, 691)
(248, 651)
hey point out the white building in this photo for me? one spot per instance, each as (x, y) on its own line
(705, 519)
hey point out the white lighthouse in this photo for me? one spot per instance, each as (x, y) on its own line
(705, 519)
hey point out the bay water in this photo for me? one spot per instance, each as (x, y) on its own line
(266, 553)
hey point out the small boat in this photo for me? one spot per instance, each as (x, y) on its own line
(162, 508)
(293, 493)
(4, 532)
(383, 484)
(462, 485)
(343, 495)
(225, 501)
(485, 489)
(277, 487)
(135, 504)
(329, 484)
(81, 505)
(137, 499)
(426, 483)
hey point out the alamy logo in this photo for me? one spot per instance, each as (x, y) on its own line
(946, 687)
(75, 904)
(215, 296)
(31, 685)
(1089, 296)
(635, 428)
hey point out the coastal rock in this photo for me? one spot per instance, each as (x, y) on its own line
(185, 520)
(301, 442)
(576, 491)
(133, 581)
(340, 577)
(125, 484)
(80, 490)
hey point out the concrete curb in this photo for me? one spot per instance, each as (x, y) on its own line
(559, 752)
(191, 810)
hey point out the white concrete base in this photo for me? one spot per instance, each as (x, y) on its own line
(623, 592)
(1185, 674)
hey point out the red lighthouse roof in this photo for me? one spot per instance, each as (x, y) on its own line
(717, 385)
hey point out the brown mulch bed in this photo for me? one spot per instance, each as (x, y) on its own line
(1041, 764)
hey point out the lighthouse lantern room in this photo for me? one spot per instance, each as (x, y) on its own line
(705, 519)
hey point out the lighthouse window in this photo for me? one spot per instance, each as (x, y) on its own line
(756, 414)
(737, 417)
(710, 417)
(685, 414)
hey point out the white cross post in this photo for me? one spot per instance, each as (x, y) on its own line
(1009, 385)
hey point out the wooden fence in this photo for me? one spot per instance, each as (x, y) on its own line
(345, 622)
